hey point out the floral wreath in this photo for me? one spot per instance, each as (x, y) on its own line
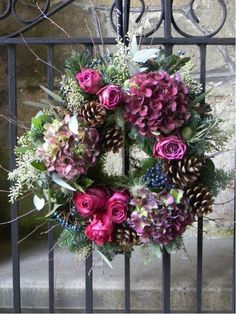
(115, 102)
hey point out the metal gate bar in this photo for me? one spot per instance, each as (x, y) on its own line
(50, 78)
(12, 109)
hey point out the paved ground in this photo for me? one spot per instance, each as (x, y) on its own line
(108, 284)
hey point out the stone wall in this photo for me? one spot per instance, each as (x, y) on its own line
(91, 18)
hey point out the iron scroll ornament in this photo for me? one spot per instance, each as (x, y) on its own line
(10, 8)
(176, 27)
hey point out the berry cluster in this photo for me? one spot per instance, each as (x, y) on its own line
(67, 219)
(155, 178)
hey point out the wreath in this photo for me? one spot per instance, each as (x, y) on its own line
(108, 104)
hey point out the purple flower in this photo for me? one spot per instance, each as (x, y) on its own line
(110, 96)
(170, 147)
(156, 101)
(89, 80)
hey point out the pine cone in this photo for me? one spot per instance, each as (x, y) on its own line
(201, 200)
(94, 113)
(183, 172)
(126, 237)
(113, 139)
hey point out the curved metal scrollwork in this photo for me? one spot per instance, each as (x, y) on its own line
(193, 15)
(10, 8)
(173, 22)
(43, 12)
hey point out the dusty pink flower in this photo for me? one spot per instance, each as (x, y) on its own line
(100, 229)
(89, 80)
(110, 96)
(117, 206)
(170, 147)
(156, 101)
(94, 199)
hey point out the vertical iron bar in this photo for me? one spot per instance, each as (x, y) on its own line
(126, 19)
(89, 259)
(14, 207)
(166, 258)
(50, 233)
(234, 247)
(119, 18)
(166, 282)
(200, 219)
(89, 283)
(167, 5)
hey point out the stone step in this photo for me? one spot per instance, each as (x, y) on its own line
(146, 285)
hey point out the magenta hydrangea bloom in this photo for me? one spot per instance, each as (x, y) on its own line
(156, 220)
(156, 101)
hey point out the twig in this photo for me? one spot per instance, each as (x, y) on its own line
(33, 231)
(218, 153)
(1, 167)
(223, 203)
(53, 227)
(54, 23)
(91, 36)
(14, 121)
(37, 57)
(4, 191)
(17, 218)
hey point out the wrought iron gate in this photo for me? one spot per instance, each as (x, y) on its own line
(121, 24)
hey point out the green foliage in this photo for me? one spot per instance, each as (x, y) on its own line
(144, 143)
(108, 250)
(170, 63)
(114, 70)
(215, 179)
(75, 242)
(79, 60)
(207, 134)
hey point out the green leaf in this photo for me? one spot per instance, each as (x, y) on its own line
(55, 207)
(40, 120)
(38, 165)
(156, 249)
(169, 247)
(35, 104)
(79, 188)
(61, 182)
(73, 125)
(39, 202)
(105, 259)
(22, 149)
(86, 182)
(53, 95)
(142, 56)
(199, 98)
(177, 195)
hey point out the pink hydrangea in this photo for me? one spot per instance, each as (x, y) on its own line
(66, 153)
(156, 101)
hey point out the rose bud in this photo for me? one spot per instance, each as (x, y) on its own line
(110, 96)
(89, 80)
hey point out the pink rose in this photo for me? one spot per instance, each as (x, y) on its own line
(110, 96)
(117, 207)
(95, 199)
(89, 80)
(100, 229)
(170, 147)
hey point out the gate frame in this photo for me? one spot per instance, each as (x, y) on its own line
(122, 9)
